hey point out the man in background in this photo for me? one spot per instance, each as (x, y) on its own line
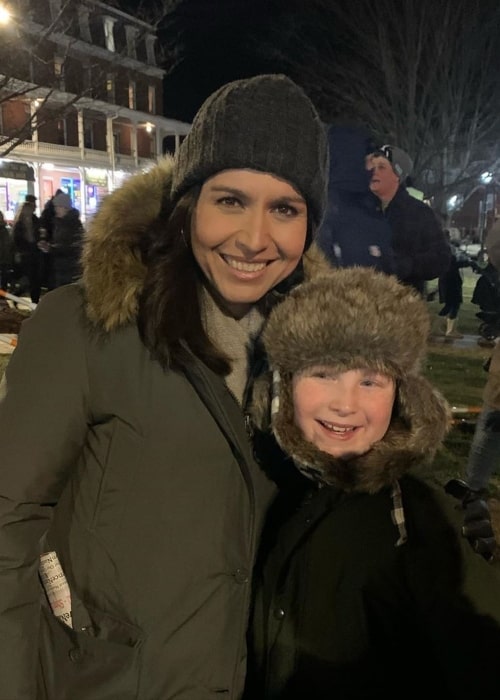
(353, 231)
(419, 246)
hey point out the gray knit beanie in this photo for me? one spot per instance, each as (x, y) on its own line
(401, 162)
(264, 123)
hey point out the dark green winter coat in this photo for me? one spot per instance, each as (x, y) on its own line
(142, 480)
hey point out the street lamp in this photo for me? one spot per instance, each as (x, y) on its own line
(5, 15)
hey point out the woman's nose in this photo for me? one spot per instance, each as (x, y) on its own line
(254, 234)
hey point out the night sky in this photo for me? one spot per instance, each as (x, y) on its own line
(209, 42)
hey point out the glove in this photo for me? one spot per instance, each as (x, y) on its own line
(492, 422)
(477, 528)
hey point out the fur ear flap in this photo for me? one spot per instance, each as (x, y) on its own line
(260, 407)
(426, 412)
(315, 263)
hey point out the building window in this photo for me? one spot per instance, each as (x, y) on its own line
(88, 135)
(86, 69)
(59, 71)
(131, 37)
(151, 99)
(131, 95)
(83, 21)
(108, 33)
(61, 132)
(150, 49)
(110, 88)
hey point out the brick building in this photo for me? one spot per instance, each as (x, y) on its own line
(80, 101)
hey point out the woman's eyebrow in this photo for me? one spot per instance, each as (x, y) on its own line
(228, 190)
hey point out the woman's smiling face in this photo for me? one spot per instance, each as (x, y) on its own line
(248, 234)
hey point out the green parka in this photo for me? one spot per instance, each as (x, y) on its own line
(144, 483)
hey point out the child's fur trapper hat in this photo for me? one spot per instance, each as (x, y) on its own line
(355, 318)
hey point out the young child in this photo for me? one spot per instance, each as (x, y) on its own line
(366, 586)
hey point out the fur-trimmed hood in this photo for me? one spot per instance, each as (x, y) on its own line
(113, 272)
(353, 318)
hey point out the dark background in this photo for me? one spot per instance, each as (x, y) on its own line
(421, 74)
(206, 43)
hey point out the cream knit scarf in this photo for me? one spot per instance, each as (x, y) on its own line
(233, 336)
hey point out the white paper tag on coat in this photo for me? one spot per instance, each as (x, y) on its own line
(56, 586)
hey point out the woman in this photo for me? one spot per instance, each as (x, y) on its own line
(138, 476)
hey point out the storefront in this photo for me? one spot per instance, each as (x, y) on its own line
(16, 181)
(96, 188)
(53, 177)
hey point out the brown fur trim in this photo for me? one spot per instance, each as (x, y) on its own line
(420, 423)
(113, 273)
(316, 263)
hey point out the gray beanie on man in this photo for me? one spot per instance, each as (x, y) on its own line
(400, 161)
(264, 123)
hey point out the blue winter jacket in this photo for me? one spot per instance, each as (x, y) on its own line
(353, 231)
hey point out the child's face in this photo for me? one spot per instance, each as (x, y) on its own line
(343, 413)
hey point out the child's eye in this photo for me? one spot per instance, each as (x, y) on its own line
(323, 374)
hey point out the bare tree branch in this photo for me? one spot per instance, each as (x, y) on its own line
(419, 73)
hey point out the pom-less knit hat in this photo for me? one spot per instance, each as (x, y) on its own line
(263, 123)
(401, 162)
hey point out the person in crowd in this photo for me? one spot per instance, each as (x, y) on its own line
(353, 231)
(126, 459)
(366, 586)
(47, 218)
(48, 215)
(486, 295)
(450, 286)
(484, 453)
(420, 249)
(27, 256)
(65, 243)
(6, 253)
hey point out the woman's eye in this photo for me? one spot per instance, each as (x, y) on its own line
(286, 210)
(228, 201)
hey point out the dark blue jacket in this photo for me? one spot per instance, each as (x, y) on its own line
(353, 231)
